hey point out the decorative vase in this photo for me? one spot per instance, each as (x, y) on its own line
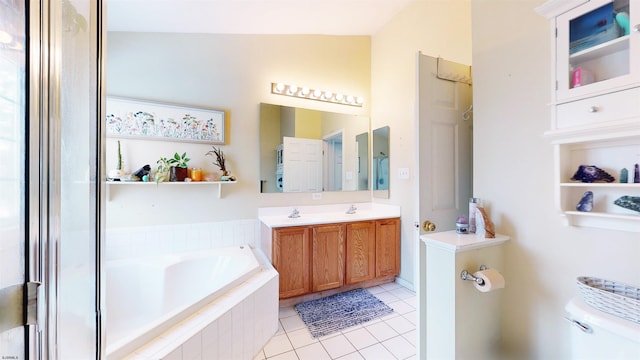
(178, 174)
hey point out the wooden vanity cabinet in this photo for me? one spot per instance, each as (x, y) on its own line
(387, 247)
(327, 257)
(361, 252)
(316, 258)
(290, 257)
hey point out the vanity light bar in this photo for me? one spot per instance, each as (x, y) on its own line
(320, 95)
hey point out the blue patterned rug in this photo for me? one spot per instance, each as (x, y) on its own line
(340, 311)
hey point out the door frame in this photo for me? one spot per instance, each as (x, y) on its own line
(329, 158)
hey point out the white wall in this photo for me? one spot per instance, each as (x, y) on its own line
(232, 73)
(513, 166)
(436, 28)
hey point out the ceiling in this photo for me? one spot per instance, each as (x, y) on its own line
(325, 17)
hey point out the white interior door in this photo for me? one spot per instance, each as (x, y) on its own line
(444, 159)
(445, 142)
(301, 165)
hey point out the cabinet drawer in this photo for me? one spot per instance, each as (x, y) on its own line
(615, 106)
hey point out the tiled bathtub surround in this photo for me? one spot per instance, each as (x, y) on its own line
(235, 325)
(168, 239)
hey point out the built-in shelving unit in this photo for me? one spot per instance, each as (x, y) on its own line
(595, 120)
(219, 185)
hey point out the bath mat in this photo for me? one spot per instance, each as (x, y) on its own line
(340, 311)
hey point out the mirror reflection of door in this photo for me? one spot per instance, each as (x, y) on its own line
(332, 162)
(301, 165)
(362, 167)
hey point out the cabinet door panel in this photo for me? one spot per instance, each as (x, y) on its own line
(595, 58)
(291, 259)
(387, 247)
(327, 252)
(361, 252)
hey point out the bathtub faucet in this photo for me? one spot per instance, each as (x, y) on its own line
(352, 209)
(294, 214)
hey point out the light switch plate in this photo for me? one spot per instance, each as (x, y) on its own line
(403, 173)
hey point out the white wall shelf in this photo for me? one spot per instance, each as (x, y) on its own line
(163, 184)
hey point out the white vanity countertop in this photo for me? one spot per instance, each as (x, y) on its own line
(325, 214)
(452, 241)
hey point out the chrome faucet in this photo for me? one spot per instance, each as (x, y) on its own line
(352, 209)
(294, 214)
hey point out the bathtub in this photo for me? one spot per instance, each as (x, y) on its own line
(147, 297)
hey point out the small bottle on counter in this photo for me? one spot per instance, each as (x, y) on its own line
(474, 204)
(462, 225)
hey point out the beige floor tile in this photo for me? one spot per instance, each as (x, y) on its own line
(361, 338)
(313, 352)
(399, 347)
(277, 345)
(338, 346)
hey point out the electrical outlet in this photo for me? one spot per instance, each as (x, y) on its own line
(403, 173)
(316, 196)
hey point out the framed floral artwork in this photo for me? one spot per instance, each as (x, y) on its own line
(158, 121)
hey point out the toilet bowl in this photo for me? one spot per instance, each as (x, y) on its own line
(597, 335)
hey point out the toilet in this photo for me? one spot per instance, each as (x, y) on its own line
(597, 335)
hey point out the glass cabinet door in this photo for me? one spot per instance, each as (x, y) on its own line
(597, 49)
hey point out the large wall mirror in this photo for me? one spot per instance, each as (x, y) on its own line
(380, 163)
(304, 150)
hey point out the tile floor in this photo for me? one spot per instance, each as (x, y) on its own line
(388, 338)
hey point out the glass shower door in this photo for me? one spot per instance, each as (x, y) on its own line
(77, 140)
(13, 334)
(50, 188)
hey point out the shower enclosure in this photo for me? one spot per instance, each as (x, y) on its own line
(50, 169)
(381, 172)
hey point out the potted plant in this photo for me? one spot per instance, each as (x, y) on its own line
(220, 161)
(162, 172)
(179, 167)
(118, 172)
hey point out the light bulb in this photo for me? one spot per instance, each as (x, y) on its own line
(279, 87)
(304, 91)
(359, 100)
(350, 99)
(328, 95)
(293, 89)
(339, 97)
(317, 93)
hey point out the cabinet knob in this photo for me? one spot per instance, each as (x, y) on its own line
(636, 28)
(593, 109)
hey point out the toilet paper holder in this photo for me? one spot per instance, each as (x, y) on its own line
(465, 275)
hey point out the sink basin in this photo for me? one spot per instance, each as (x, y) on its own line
(323, 215)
